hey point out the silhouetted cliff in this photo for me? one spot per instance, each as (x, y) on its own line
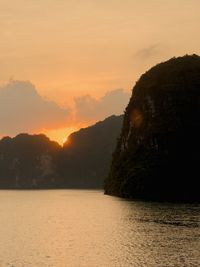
(86, 156)
(157, 155)
(28, 161)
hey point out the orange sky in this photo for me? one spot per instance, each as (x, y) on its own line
(78, 47)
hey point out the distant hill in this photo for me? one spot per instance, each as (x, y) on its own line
(157, 154)
(28, 161)
(86, 156)
(33, 161)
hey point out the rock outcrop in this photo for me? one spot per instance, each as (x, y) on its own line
(28, 161)
(86, 156)
(157, 155)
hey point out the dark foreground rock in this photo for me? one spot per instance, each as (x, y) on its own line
(157, 155)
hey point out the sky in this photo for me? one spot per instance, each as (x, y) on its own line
(66, 64)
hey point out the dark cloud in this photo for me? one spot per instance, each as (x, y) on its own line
(88, 108)
(22, 109)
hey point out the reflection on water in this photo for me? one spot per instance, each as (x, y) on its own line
(74, 228)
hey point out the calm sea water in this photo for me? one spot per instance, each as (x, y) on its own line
(74, 228)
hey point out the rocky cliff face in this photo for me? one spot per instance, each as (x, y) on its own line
(157, 154)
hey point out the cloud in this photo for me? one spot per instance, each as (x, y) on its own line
(22, 109)
(148, 52)
(88, 108)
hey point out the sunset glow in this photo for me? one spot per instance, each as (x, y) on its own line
(65, 140)
(99, 133)
(74, 53)
(60, 135)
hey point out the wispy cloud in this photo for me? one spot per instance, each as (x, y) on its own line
(148, 52)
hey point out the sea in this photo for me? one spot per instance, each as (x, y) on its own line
(85, 228)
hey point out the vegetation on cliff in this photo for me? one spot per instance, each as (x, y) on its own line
(157, 154)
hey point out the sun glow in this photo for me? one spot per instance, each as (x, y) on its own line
(65, 140)
(60, 135)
